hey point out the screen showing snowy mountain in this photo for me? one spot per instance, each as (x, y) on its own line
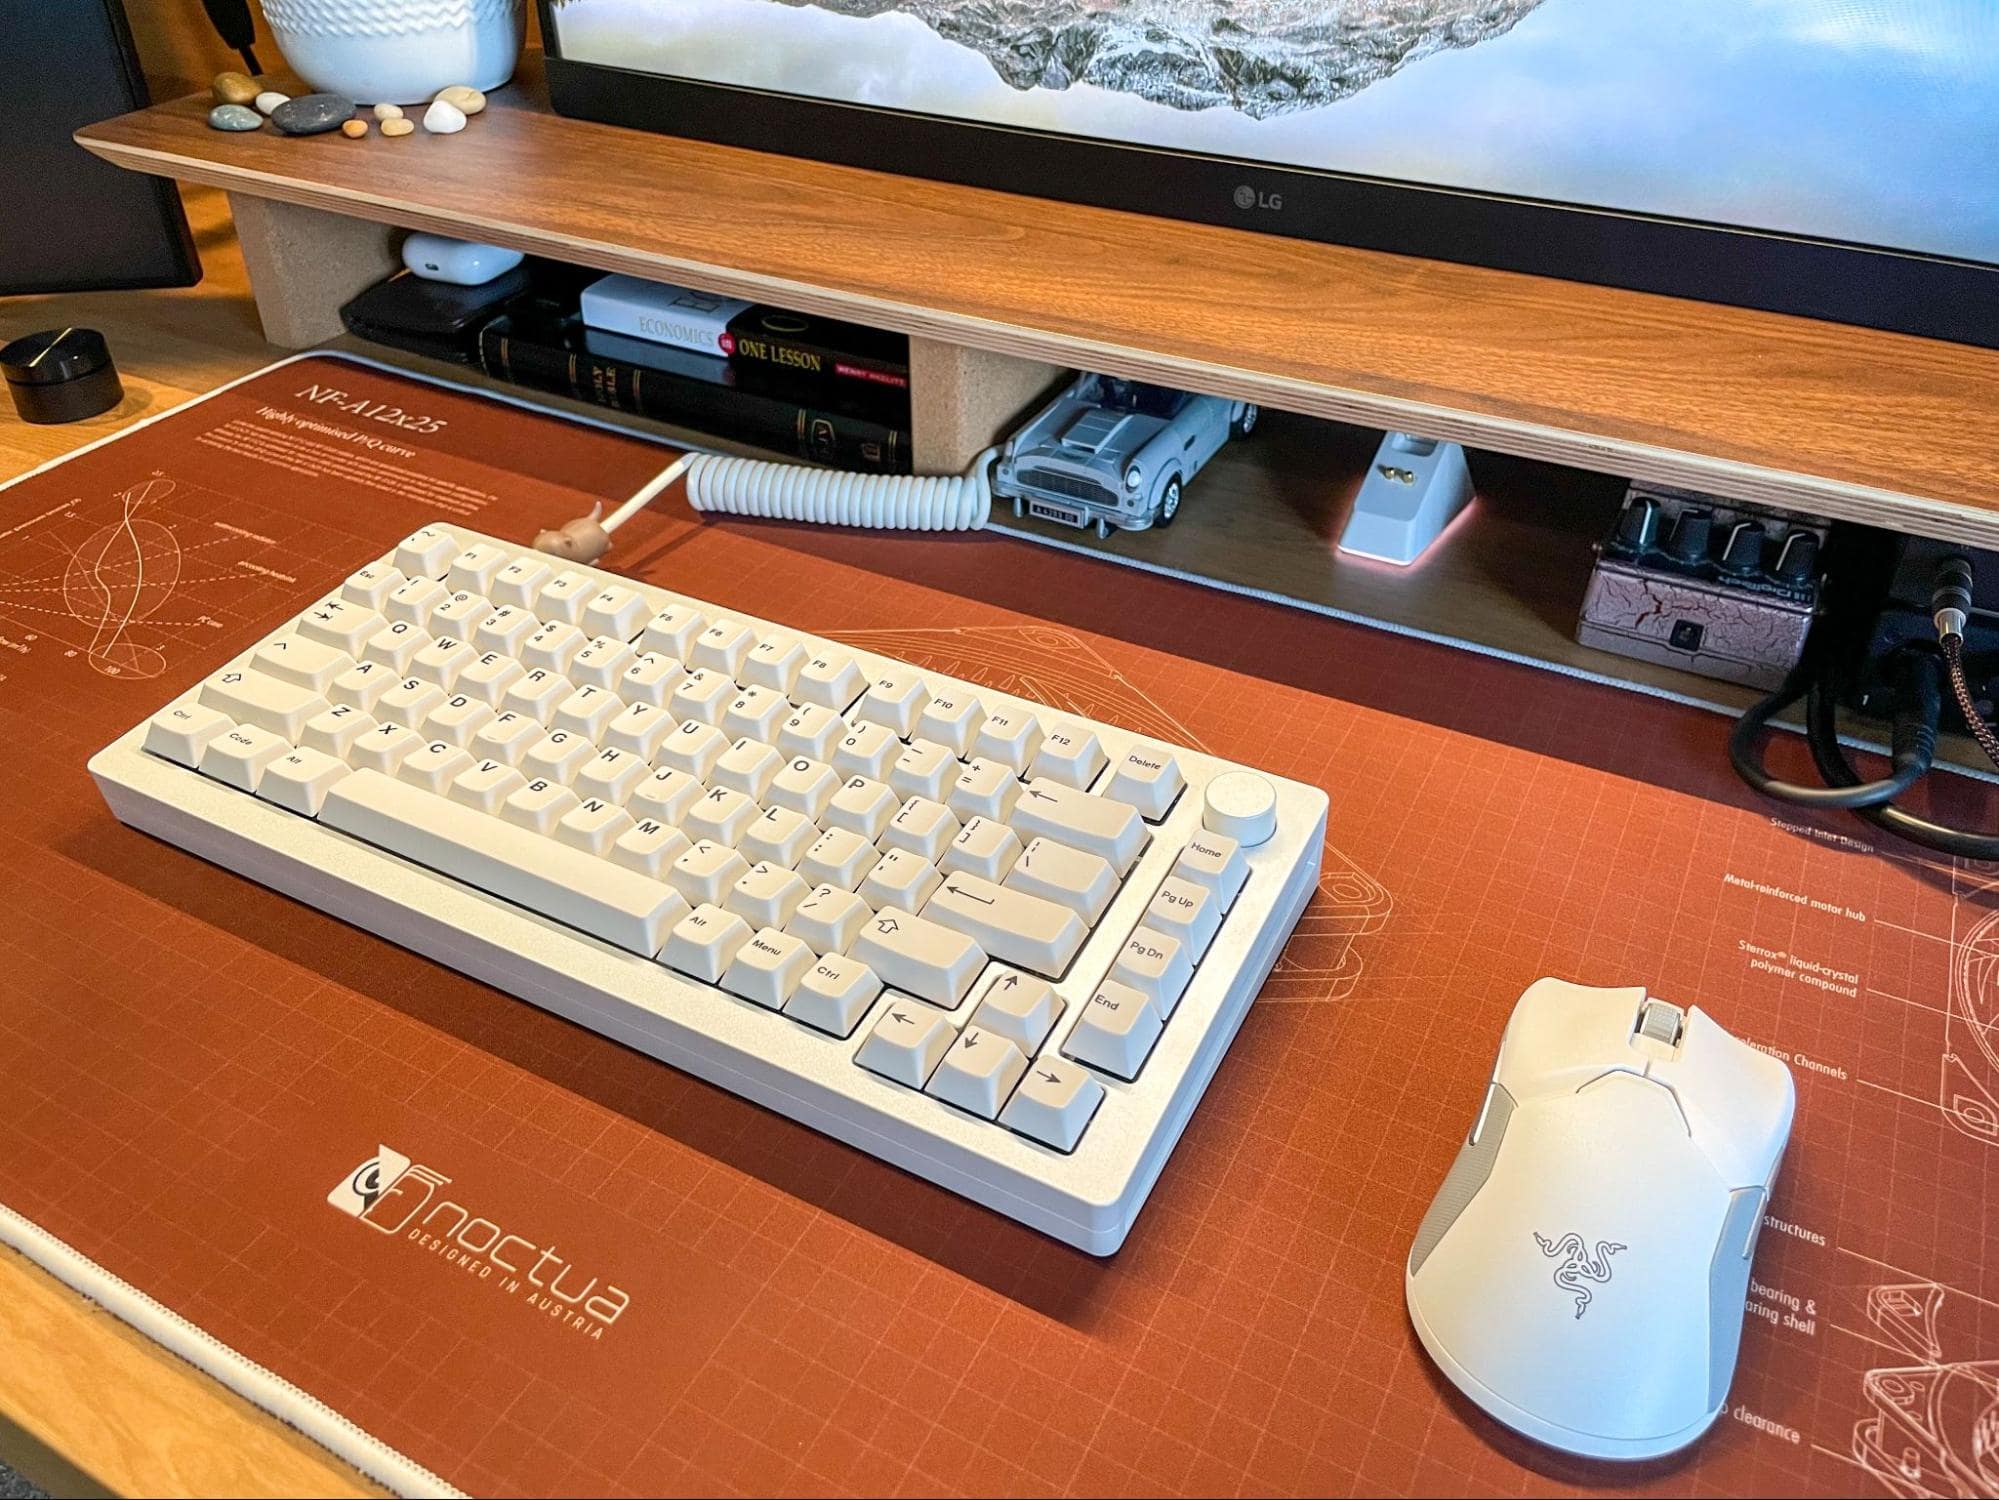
(1869, 121)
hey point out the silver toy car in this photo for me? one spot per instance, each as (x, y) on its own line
(1110, 452)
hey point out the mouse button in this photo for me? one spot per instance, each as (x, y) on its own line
(1655, 1089)
(1728, 1288)
(1562, 1033)
(1738, 1100)
(1468, 1174)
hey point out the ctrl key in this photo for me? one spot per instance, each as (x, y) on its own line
(1116, 1030)
(182, 732)
(1054, 1104)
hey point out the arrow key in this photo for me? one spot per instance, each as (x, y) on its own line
(977, 1073)
(907, 1043)
(1054, 1104)
(1020, 1008)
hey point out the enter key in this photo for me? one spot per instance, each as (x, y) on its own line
(1012, 926)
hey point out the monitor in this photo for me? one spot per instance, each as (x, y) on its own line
(1838, 158)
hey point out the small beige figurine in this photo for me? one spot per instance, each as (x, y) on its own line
(582, 540)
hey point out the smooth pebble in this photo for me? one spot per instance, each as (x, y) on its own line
(398, 126)
(235, 88)
(234, 117)
(468, 99)
(354, 129)
(388, 111)
(269, 100)
(443, 118)
(312, 114)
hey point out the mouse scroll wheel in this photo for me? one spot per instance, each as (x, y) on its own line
(1661, 1022)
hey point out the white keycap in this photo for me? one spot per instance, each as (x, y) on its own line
(395, 646)
(489, 677)
(434, 765)
(833, 995)
(666, 795)
(539, 805)
(614, 610)
(1116, 1030)
(701, 696)
(1020, 1008)
(553, 647)
(427, 551)
(536, 694)
(924, 769)
(1096, 825)
(409, 702)
(900, 879)
(562, 598)
(593, 895)
(671, 632)
(307, 663)
(1149, 779)
(861, 805)
(829, 919)
(383, 748)
(587, 711)
(705, 873)
(340, 623)
(1054, 1104)
(803, 785)
(704, 942)
(1240, 805)
(269, 702)
(951, 719)
(650, 679)
(766, 895)
(508, 738)
(485, 786)
(1069, 756)
(1215, 861)
(923, 827)
(611, 773)
(415, 602)
(773, 663)
(1069, 877)
(1012, 926)
(866, 750)
(457, 719)
(519, 583)
(984, 789)
(300, 780)
(460, 615)
(830, 679)
(754, 714)
(982, 848)
(593, 825)
(811, 731)
(650, 847)
(441, 661)
(179, 733)
(1010, 736)
(362, 685)
(601, 663)
(768, 968)
(926, 960)
(372, 583)
(778, 836)
(557, 755)
(336, 730)
(977, 1073)
(907, 1044)
(1186, 911)
(504, 629)
(893, 700)
(692, 748)
(839, 856)
(1156, 966)
(746, 767)
(238, 756)
(722, 648)
(474, 569)
(719, 814)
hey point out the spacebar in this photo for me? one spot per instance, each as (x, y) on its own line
(605, 900)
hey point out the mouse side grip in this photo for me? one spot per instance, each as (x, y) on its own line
(1467, 1175)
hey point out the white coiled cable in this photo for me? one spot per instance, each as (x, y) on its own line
(794, 492)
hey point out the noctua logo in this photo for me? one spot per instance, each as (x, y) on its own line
(401, 1198)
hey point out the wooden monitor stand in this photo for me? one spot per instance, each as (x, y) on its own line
(999, 290)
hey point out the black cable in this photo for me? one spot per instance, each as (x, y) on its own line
(249, 56)
(1914, 746)
(1953, 655)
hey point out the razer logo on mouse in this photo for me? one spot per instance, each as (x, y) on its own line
(1578, 1265)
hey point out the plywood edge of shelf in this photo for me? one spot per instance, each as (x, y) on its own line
(1854, 424)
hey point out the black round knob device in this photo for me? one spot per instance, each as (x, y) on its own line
(1798, 560)
(1743, 552)
(61, 375)
(1690, 535)
(1638, 525)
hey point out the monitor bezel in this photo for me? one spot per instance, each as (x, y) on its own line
(1899, 291)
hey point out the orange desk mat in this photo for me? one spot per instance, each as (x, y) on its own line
(708, 1297)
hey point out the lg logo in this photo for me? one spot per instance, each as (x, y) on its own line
(1247, 197)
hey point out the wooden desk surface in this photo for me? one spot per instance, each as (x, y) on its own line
(86, 1403)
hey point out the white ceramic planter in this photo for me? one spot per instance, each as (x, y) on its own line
(398, 51)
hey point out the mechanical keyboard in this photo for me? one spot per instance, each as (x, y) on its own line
(994, 943)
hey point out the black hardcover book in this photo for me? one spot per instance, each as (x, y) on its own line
(539, 346)
(822, 349)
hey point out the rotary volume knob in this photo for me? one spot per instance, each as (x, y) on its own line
(1240, 805)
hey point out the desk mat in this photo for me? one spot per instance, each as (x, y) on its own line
(711, 1298)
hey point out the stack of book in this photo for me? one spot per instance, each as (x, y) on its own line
(831, 392)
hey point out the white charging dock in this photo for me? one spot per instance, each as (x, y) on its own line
(1414, 489)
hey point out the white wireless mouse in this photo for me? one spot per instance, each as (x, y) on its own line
(1582, 1272)
(463, 262)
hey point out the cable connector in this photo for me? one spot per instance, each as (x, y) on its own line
(1950, 601)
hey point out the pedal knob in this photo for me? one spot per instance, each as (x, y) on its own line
(1690, 535)
(1241, 805)
(1743, 552)
(1799, 558)
(1638, 526)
